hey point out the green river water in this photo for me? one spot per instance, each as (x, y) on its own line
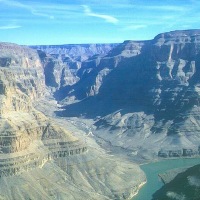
(153, 169)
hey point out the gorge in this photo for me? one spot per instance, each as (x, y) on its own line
(77, 120)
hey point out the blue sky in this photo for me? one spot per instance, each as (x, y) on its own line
(32, 22)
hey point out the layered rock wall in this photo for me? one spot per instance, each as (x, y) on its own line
(22, 81)
(22, 77)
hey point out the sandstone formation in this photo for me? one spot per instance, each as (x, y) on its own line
(40, 158)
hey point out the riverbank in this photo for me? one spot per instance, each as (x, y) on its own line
(138, 189)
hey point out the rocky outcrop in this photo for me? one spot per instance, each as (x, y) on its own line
(22, 77)
(184, 186)
(59, 73)
(178, 153)
(22, 82)
(28, 160)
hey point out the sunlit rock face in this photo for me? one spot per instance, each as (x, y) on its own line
(22, 83)
(23, 130)
(21, 77)
(152, 85)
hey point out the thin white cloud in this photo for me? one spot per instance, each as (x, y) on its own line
(107, 18)
(9, 27)
(36, 13)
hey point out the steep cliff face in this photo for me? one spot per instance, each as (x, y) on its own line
(59, 72)
(22, 77)
(63, 62)
(22, 83)
(146, 91)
